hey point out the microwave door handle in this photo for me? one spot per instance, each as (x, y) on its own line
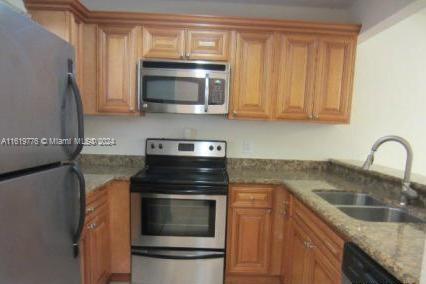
(206, 93)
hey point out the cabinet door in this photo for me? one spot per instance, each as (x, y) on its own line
(118, 56)
(163, 42)
(321, 270)
(298, 255)
(249, 250)
(296, 76)
(207, 44)
(333, 87)
(252, 79)
(100, 249)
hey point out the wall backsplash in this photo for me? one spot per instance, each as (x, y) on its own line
(388, 99)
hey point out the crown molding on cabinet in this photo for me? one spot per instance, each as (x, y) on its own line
(205, 21)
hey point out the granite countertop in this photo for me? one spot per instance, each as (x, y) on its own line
(98, 176)
(397, 247)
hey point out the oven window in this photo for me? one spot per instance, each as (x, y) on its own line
(178, 217)
(173, 90)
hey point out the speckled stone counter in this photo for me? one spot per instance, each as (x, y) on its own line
(397, 247)
(99, 176)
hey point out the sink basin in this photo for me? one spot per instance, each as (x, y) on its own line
(379, 214)
(348, 198)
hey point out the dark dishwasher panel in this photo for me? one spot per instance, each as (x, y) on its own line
(358, 267)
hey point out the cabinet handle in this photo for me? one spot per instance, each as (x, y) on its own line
(91, 226)
(310, 245)
(90, 210)
(251, 197)
(316, 116)
(269, 211)
(285, 208)
(234, 112)
(188, 55)
(310, 116)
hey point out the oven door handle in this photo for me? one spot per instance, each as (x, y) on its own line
(206, 93)
(178, 254)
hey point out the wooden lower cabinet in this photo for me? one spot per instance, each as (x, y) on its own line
(275, 238)
(105, 243)
(255, 237)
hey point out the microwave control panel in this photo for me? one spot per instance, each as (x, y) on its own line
(216, 91)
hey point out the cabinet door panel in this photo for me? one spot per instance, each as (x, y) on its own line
(117, 68)
(163, 42)
(333, 90)
(321, 269)
(298, 254)
(250, 246)
(296, 76)
(207, 44)
(252, 80)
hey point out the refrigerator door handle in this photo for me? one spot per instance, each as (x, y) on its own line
(74, 87)
(82, 191)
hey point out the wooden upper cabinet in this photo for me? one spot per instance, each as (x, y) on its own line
(207, 44)
(333, 86)
(296, 76)
(252, 78)
(163, 42)
(118, 57)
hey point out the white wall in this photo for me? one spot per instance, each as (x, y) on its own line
(389, 98)
(221, 9)
(16, 4)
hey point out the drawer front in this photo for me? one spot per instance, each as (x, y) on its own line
(251, 197)
(326, 239)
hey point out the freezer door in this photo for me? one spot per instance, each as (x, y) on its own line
(39, 218)
(36, 97)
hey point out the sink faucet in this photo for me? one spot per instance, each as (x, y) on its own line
(406, 191)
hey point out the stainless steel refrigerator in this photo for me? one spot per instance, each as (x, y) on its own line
(42, 197)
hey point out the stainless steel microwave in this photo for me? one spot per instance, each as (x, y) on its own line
(196, 87)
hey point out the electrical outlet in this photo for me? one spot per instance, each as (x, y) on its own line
(247, 147)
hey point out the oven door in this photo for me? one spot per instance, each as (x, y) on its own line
(178, 220)
(184, 91)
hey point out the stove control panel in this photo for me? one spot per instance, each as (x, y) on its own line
(191, 148)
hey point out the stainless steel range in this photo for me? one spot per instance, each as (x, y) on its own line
(178, 213)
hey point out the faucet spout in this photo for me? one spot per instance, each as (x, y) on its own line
(406, 191)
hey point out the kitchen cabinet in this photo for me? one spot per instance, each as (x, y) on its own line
(95, 243)
(296, 76)
(207, 44)
(315, 78)
(280, 70)
(164, 42)
(118, 55)
(105, 243)
(334, 76)
(68, 27)
(252, 80)
(255, 238)
(314, 253)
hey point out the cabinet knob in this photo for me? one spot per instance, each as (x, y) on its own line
(316, 116)
(188, 55)
(309, 245)
(90, 210)
(310, 116)
(91, 226)
(234, 112)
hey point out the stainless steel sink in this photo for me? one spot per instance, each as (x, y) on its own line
(363, 207)
(349, 198)
(379, 214)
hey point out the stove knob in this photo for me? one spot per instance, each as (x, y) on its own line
(219, 148)
(211, 148)
(160, 146)
(152, 146)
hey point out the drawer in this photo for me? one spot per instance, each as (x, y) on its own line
(325, 238)
(95, 201)
(252, 197)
